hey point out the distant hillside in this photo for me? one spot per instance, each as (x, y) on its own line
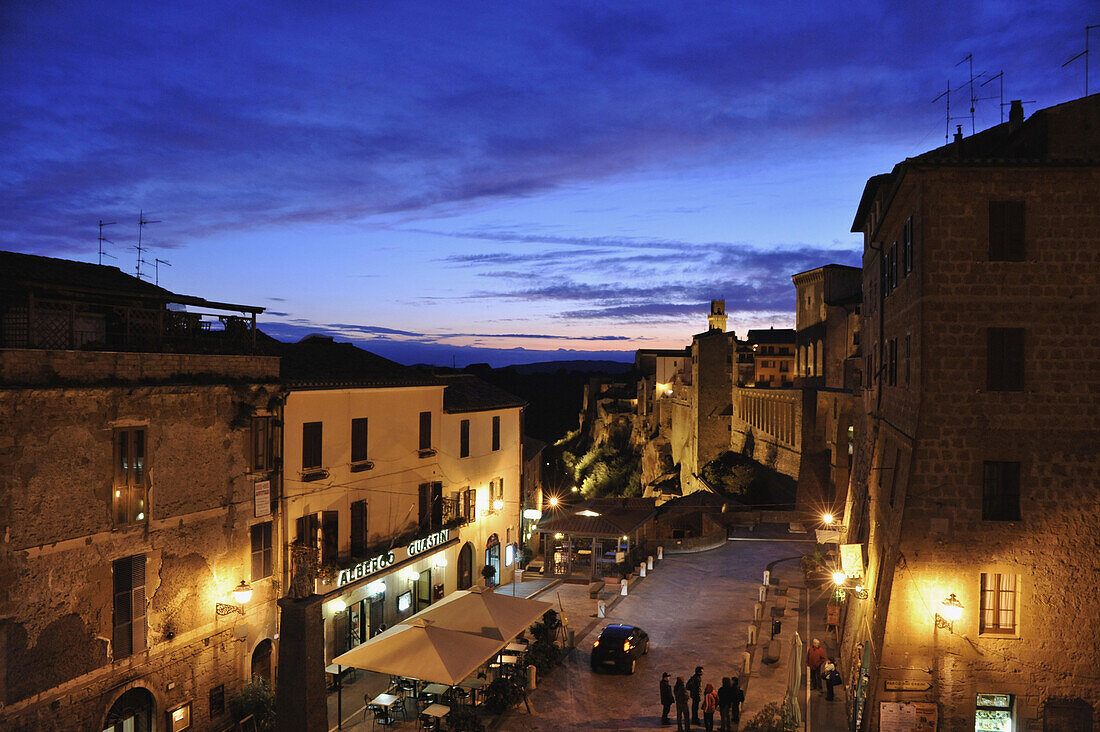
(588, 367)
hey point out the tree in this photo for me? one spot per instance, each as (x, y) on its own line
(256, 699)
(774, 717)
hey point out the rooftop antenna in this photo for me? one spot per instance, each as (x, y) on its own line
(1084, 53)
(142, 222)
(947, 127)
(970, 58)
(156, 269)
(102, 239)
(1000, 75)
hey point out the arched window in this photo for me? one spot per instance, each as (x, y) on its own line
(492, 559)
(132, 712)
(261, 661)
(466, 566)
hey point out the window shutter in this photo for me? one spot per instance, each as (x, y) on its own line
(359, 440)
(425, 430)
(425, 503)
(358, 527)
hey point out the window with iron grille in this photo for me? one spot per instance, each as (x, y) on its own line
(998, 610)
(129, 606)
(262, 555)
(130, 492)
(1000, 491)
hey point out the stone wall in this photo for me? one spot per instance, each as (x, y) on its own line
(30, 367)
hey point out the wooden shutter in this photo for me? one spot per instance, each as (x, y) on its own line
(425, 503)
(311, 445)
(359, 440)
(464, 438)
(138, 602)
(425, 430)
(496, 433)
(358, 528)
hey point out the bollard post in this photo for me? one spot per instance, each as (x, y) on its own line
(660, 553)
(649, 562)
(601, 609)
(746, 663)
(757, 610)
(641, 569)
(767, 576)
(752, 634)
(532, 674)
(763, 593)
(623, 590)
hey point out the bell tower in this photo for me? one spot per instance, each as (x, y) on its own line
(717, 318)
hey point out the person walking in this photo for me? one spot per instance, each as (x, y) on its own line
(695, 688)
(831, 677)
(667, 699)
(710, 704)
(815, 656)
(679, 693)
(725, 701)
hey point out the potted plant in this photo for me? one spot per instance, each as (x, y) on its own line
(489, 573)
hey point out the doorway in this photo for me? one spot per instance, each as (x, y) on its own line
(377, 606)
(423, 591)
(261, 661)
(131, 712)
(492, 559)
(466, 567)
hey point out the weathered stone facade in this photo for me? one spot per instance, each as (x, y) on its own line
(61, 413)
(937, 428)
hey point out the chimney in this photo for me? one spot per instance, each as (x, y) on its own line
(1015, 114)
(958, 133)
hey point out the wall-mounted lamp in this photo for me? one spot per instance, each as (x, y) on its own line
(412, 575)
(831, 523)
(554, 501)
(840, 580)
(950, 611)
(440, 562)
(498, 505)
(378, 587)
(242, 593)
(338, 605)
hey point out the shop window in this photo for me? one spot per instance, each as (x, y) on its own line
(1006, 231)
(130, 493)
(1000, 491)
(1005, 359)
(129, 606)
(262, 555)
(993, 713)
(262, 444)
(998, 610)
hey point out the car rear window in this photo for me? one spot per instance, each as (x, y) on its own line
(616, 631)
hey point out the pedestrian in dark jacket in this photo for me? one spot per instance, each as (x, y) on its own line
(667, 699)
(695, 688)
(831, 677)
(738, 695)
(725, 700)
(679, 693)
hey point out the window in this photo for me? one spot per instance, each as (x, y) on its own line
(908, 369)
(1000, 491)
(998, 611)
(217, 701)
(893, 266)
(892, 362)
(1006, 231)
(431, 506)
(130, 491)
(359, 440)
(907, 246)
(993, 713)
(129, 606)
(311, 446)
(467, 503)
(262, 444)
(464, 438)
(496, 489)
(358, 528)
(308, 526)
(330, 536)
(262, 556)
(1005, 359)
(425, 430)
(496, 432)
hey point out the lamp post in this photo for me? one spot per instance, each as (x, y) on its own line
(242, 593)
(950, 611)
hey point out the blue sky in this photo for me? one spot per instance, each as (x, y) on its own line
(503, 182)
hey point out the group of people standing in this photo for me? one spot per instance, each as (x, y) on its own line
(726, 700)
(822, 669)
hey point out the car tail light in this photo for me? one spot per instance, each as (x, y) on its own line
(596, 644)
(626, 646)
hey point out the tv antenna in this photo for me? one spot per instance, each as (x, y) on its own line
(1084, 53)
(142, 223)
(1000, 75)
(102, 239)
(156, 269)
(947, 127)
(970, 59)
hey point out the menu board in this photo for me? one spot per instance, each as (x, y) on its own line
(907, 717)
(262, 498)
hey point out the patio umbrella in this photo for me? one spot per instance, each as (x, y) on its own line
(486, 613)
(421, 650)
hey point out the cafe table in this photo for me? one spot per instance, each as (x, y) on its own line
(437, 711)
(387, 701)
(435, 689)
(516, 648)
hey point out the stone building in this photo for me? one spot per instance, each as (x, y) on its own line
(974, 489)
(773, 356)
(135, 498)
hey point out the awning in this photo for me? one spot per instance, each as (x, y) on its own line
(420, 650)
(486, 613)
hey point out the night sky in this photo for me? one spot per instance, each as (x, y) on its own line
(445, 180)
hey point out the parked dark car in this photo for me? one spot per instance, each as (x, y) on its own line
(621, 646)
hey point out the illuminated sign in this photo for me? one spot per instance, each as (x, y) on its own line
(404, 601)
(364, 568)
(431, 541)
(851, 559)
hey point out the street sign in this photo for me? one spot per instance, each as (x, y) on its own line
(907, 685)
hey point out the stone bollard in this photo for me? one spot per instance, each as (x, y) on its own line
(649, 562)
(623, 590)
(746, 663)
(767, 576)
(641, 569)
(601, 609)
(752, 634)
(763, 593)
(660, 553)
(757, 610)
